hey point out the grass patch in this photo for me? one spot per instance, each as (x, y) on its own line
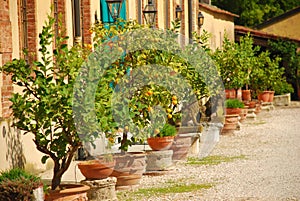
(257, 122)
(213, 160)
(172, 187)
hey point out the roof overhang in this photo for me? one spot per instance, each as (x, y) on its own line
(260, 37)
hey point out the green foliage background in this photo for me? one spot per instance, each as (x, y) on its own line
(254, 12)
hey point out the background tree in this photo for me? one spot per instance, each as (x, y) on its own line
(287, 50)
(253, 12)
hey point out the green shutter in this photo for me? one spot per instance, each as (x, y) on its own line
(105, 16)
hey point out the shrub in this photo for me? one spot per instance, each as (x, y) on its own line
(283, 88)
(17, 184)
(167, 130)
(234, 103)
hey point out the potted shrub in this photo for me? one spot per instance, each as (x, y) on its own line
(267, 77)
(162, 138)
(44, 108)
(233, 111)
(230, 66)
(17, 184)
(233, 106)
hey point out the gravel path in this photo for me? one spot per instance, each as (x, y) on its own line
(269, 171)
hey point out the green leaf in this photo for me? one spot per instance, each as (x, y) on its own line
(44, 159)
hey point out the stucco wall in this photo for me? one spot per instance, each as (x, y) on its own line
(15, 28)
(218, 26)
(69, 22)
(288, 27)
(17, 149)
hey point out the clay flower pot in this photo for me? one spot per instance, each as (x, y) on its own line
(230, 123)
(230, 93)
(233, 111)
(129, 168)
(271, 96)
(264, 96)
(160, 143)
(181, 147)
(96, 169)
(68, 192)
(246, 95)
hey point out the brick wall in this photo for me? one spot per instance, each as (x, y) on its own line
(61, 9)
(32, 36)
(182, 27)
(6, 52)
(86, 21)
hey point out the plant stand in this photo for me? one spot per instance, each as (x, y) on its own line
(282, 100)
(267, 106)
(103, 189)
(186, 143)
(158, 160)
(69, 192)
(251, 114)
(129, 169)
(209, 138)
(231, 124)
(243, 114)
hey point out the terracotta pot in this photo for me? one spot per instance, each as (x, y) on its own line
(180, 147)
(230, 93)
(264, 96)
(251, 104)
(129, 168)
(230, 124)
(246, 95)
(271, 96)
(233, 111)
(96, 169)
(160, 143)
(68, 192)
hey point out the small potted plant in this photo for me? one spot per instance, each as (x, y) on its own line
(162, 138)
(233, 110)
(233, 106)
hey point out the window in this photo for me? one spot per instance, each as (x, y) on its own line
(105, 16)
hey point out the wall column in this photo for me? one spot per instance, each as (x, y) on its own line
(6, 55)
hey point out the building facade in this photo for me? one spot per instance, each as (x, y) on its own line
(21, 21)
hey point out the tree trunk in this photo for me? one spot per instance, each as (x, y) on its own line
(61, 165)
(56, 180)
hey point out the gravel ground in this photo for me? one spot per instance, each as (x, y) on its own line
(270, 170)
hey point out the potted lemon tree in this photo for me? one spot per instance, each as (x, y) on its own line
(44, 107)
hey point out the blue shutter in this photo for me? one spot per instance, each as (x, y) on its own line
(105, 16)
